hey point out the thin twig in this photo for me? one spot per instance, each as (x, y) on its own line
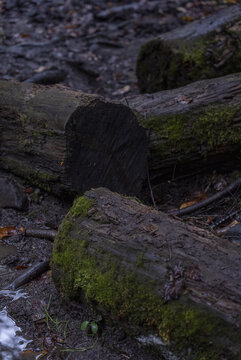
(148, 176)
(41, 233)
(211, 199)
(150, 188)
(28, 275)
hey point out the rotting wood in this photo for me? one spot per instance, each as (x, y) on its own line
(66, 141)
(193, 127)
(141, 267)
(204, 49)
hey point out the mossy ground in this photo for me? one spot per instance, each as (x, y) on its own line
(100, 279)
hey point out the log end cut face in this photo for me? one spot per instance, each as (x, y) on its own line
(107, 147)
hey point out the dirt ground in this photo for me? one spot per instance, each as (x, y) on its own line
(96, 50)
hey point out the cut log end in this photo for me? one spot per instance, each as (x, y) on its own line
(67, 142)
(106, 146)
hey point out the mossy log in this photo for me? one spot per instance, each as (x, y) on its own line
(67, 142)
(152, 272)
(203, 49)
(192, 128)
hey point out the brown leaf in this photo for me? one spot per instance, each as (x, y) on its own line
(186, 100)
(8, 231)
(187, 18)
(21, 267)
(193, 273)
(188, 203)
(28, 190)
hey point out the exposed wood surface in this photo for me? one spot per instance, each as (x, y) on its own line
(192, 127)
(68, 141)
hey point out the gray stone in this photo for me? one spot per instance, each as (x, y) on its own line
(12, 195)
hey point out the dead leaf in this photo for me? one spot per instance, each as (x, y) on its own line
(189, 203)
(21, 267)
(8, 231)
(28, 190)
(199, 195)
(40, 69)
(209, 220)
(24, 35)
(187, 18)
(123, 90)
(226, 228)
(186, 100)
(193, 273)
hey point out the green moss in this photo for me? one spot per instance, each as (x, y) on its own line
(81, 206)
(39, 178)
(102, 280)
(201, 130)
(170, 64)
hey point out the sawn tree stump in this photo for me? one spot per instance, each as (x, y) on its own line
(66, 141)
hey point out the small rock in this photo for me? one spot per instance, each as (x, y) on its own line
(12, 195)
(234, 234)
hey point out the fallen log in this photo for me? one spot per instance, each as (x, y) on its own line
(203, 49)
(192, 128)
(141, 267)
(67, 142)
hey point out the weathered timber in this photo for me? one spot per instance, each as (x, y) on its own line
(67, 141)
(195, 127)
(200, 50)
(141, 267)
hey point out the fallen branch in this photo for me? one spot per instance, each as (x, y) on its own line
(29, 275)
(206, 202)
(41, 233)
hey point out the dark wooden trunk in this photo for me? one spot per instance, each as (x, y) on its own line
(68, 141)
(142, 267)
(200, 50)
(192, 128)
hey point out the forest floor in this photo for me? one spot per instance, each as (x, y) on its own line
(94, 45)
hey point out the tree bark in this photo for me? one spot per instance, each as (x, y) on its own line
(200, 50)
(192, 128)
(67, 142)
(147, 269)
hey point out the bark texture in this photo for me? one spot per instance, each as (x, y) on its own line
(142, 267)
(68, 141)
(200, 50)
(192, 128)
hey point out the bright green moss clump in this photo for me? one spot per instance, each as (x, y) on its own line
(99, 278)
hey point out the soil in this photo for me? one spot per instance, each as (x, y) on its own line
(96, 50)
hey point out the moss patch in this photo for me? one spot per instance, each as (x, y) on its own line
(170, 64)
(100, 279)
(198, 131)
(38, 178)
